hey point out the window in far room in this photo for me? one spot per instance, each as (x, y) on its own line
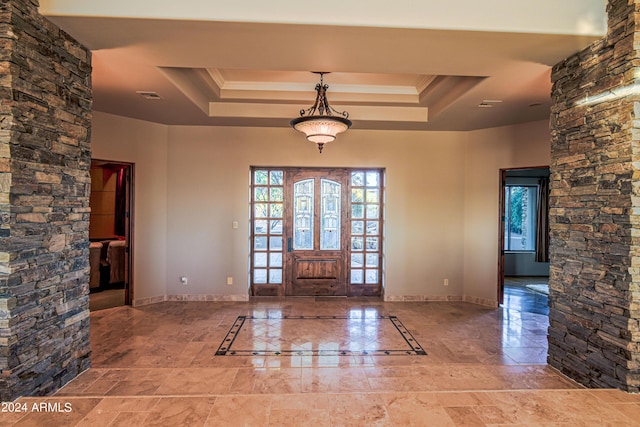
(520, 218)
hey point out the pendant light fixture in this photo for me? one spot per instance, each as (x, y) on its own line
(318, 122)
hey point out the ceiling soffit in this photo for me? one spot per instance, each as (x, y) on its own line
(270, 94)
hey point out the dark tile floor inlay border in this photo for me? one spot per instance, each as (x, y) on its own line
(409, 345)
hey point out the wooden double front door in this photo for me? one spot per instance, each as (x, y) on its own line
(316, 232)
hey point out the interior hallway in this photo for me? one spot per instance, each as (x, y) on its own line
(156, 366)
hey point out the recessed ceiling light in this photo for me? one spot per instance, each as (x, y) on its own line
(148, 94)
(488, 103)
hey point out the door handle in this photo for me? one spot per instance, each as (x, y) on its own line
(289, 245)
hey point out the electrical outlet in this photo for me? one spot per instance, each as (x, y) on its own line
(446, 282)
(184, 280)
(229, 280)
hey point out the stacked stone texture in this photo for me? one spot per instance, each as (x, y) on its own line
(594, 205)
(45, 116)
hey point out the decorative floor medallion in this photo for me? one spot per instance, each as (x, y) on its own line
(319, 335)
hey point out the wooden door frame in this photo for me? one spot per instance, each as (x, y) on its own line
(501, 223)
(129, 227)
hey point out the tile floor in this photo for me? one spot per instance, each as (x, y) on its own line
(156, 366)
(107, 298)
(367, 334)
(518, 297)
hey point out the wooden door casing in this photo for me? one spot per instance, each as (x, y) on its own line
(501, 235)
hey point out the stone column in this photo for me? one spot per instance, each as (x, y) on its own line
(594, 208)
(45, 118)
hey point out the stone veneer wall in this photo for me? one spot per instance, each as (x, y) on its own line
(594, 334)
(45, 117)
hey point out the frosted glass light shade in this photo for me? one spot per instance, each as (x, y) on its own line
(321, 129)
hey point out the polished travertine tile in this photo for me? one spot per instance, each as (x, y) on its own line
(156, 366)
(240, 411)
(363, 332)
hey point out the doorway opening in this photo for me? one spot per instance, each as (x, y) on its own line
(523, 262)
(316, 232)
(110, 234)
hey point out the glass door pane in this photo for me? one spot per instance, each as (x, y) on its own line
(330, 215)
(303, 214)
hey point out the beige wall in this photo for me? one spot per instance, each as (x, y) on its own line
(193, 182)
(487, 152)
(208, 190)
(145, 145)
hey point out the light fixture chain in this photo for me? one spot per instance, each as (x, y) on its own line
(321, 105)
